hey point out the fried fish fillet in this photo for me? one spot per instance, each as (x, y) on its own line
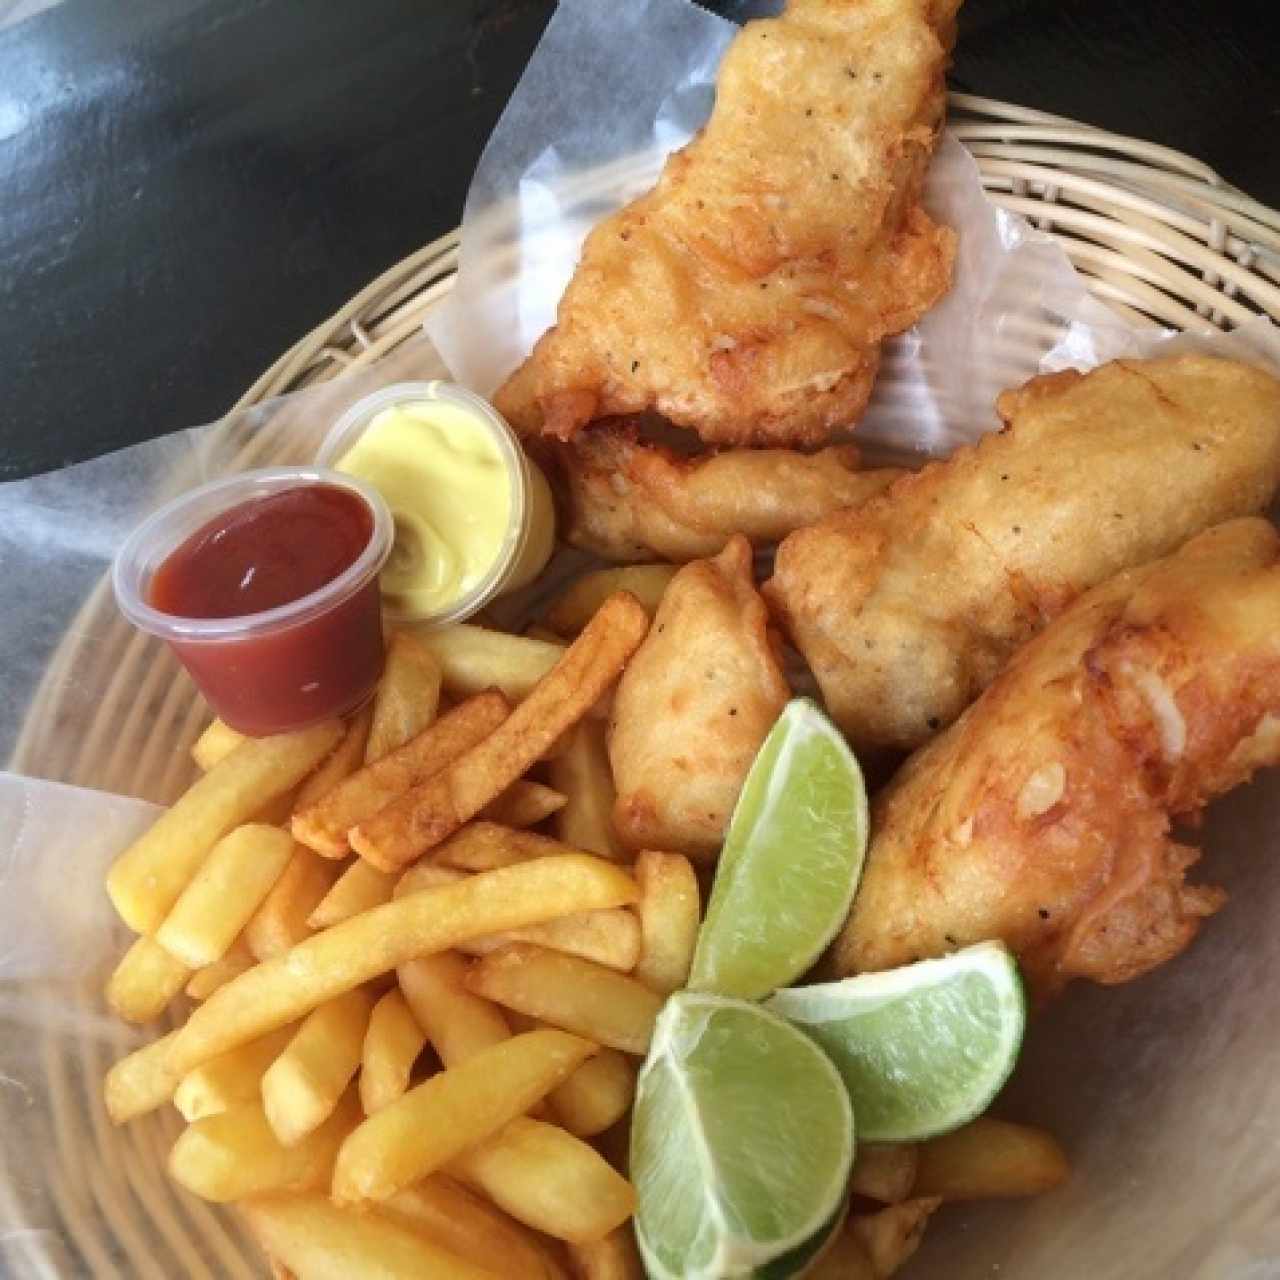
(907, 607)
(628, 500)
(693, 707)
(746, 295)
(1042, 816)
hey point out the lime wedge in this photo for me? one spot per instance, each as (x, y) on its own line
(741, 1142)
(922, 1049)
(790, 862)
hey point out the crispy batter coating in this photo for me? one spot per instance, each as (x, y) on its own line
(693, 707)
(746, 295)
(1042, 816)
(628, 500)
(907, 607)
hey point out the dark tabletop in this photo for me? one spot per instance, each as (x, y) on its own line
(189, 186)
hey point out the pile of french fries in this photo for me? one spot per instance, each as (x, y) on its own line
(416, 1020)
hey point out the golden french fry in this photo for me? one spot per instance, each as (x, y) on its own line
(391, 1047)
(458, 1023)
(436, 808)
(225, 891)
(474, 658)
(581, 771)
(230, 1078)
(884, 1171)
(670, 912)
(340, 763)
(325, 825)
(990, 1159)
(549, 1180)
(357, 889)
(535, 632)
(407, 697)
(140, 1082)
(843, 1258)
(235, 960)
(483, 845)
(523, 804)
(218, 741)
(597, 1095)
(567, 991)
(144, 882)
(317, 1240)
(890, 1236)
(576, 605)
(351, 953)
(473, 1228)
(145, 980)
(281, 921)
(613, 1257)
(234, 1153)
(451, 1112)
(301, 1088)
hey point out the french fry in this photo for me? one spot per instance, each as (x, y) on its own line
(325, 825)
(884, 1171)
(613, 1257)
(317, 1240)
(281, 921)
(340, 763)
(407, 697)
(436, 808)
(391, 1046)
(231, 1078)
(567, 991)
(576, 605)
(460, 1220)
(536, 632)
(351, 953)
(458, 1023)
(581, 771)
(235, 1153)
(140, 1082)
(473, 658)
(357, 889)
(145, 980)
(483, 845)
(890, 1236)
(301, 1088)
(235, 960)
(451, 1112)
(990, 1159)
(597, 1095)
(225, 891)
(144, 882)
(670, 912)
(523, 804)
(843, 1258)
(215, 743)
(549, 1180)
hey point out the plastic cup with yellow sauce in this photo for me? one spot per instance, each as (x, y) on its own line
(473, 513)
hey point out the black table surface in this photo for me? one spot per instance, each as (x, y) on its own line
(189, 186)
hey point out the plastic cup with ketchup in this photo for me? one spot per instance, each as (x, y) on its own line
(265, 585)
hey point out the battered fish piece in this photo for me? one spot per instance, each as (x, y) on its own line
(907, 607)
(693, 707)
(627, 500)
(746, 295)
(1042, 816)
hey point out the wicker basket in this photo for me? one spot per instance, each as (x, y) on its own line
(1159, 236)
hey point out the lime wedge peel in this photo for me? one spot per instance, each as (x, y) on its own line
(742, 1141)
(791, 861)
(923, 1049)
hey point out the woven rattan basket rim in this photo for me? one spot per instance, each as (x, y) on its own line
(1157, 234)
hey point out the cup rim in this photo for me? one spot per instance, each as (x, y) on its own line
(146, 548)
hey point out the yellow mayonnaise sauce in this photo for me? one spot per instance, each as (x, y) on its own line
(449, 489)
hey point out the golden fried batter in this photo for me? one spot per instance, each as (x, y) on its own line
(747, 294)
(693, 707)
(1042, 816)
(627, 500)
(907, 607)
